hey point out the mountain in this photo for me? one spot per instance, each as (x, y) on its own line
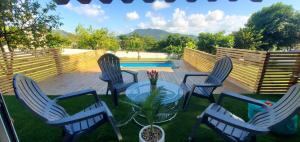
(156, 33)
(63, 32)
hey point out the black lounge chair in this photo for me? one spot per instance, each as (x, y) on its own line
(233, 128)
(214, 79)
(30, 94)
(112, 74)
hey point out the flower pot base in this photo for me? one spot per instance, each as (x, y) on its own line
(146, 135)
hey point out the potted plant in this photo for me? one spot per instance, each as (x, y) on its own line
(153, 77)
(150, 108)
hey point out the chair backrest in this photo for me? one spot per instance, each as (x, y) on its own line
(110, 67)
(30, 94)
(220, 72)
(284, 109)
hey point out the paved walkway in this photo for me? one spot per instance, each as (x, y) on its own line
(79, 80)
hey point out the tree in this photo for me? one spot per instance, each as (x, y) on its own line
(89, 38)
(208, 42)
(279, 24)
(247, 38)
(175, 43)
(191, 44)
(57, 40)
(25, 24)
(150, 43)
(132, 43)
(84, 37)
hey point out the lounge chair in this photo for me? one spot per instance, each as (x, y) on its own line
(214, 79)
(233, 128)
(31, 96)
(112, 74)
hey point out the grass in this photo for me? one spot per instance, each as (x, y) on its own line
(30, 128)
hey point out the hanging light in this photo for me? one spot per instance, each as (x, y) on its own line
(61, 2)
(84, 1)
(149, 1)
(169, 1)
(127, 1)
(106, 1)
(64, 2)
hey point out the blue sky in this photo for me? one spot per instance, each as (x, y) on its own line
(177, 17)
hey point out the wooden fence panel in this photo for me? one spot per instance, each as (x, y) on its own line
(80, 62)
(282, 69)
(257, 71)
(247, 66)
(41, 64)
(200, 60)
(38, 64)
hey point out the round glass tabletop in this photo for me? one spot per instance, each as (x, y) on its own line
(138, 92)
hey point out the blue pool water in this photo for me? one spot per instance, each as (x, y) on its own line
(146, 64)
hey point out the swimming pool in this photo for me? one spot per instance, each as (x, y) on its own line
(147, 64)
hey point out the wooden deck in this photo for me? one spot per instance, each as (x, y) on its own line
(90, 79)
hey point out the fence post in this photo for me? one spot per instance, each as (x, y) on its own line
(263, 71)
(57, 59)
(296, 74)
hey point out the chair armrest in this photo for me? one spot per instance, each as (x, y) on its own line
(103, 77)
(194, 74)
(205, 85)
(241, 98)
(79, 117)
(133, 73)
(234, 122)
(78, 93)
(208, 85)
(130, 72)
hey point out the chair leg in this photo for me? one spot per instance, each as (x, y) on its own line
(211, 99)
(63, 133)
(253, 139)
(115, 128)
(107, 91)
(186, 100)
(68, 137)
(115, 95)
(195, 127)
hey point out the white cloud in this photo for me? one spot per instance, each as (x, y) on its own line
(90, 10)
(157, 5)
(181, 22)
(142, 25)
(132, 15)
(215, 15)
(156, 21)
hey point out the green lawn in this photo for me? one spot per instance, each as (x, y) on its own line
(30, 128)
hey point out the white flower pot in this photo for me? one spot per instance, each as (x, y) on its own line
(162, 139)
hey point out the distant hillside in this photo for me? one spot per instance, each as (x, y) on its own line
(156, 33)
(62, 32)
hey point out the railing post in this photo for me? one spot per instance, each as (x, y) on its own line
(263, 71)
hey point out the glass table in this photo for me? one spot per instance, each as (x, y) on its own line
(138, 92)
